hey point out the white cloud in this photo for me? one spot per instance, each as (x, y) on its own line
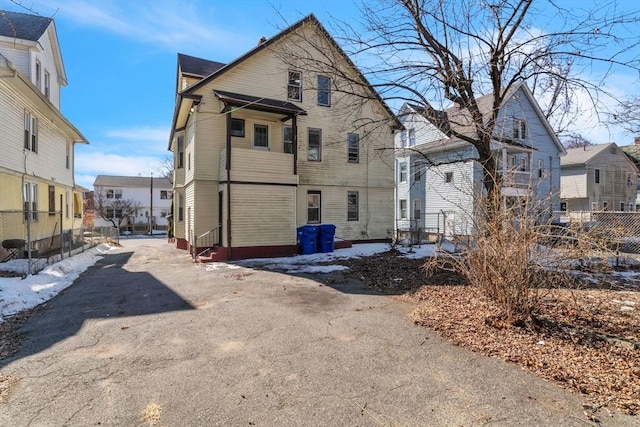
(150, 134)
(167, 24)
(92, 163)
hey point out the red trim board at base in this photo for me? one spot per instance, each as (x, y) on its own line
(263, 251)
(181, 244)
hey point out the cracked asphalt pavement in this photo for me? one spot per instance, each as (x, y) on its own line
(147, 331)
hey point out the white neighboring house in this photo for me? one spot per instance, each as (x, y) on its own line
(438, 174)
(38, 195)
(138, 189)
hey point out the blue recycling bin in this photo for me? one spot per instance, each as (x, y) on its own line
(326, 233)
(308, 239)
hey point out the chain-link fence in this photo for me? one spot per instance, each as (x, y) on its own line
(41, 238)
(619, 231)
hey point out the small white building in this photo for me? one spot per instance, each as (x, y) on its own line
(154, 196)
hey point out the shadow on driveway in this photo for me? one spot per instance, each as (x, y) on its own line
(105, 290)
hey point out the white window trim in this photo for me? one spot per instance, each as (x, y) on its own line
(299, 86)
(253, 136)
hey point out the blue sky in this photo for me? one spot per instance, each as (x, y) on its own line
(120, 58)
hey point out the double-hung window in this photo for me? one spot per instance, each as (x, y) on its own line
(418, 167)
(38, 75)
(261, 137)
(30, 132)
(67, 196)
(403, 172)
(352, 206)
(417, 205)
(47, 84)
(180, 207)
(519, 129)
(596, 176)
(30, 198)
(403, 208)
(353, 150)
(324, 91)
(68, 156)
(314, 152)
(52, 200)
(180, 152)
(412, 137)
(540, 168)
(403, 138)
(287, 139)
(294, 86)
(313, 207)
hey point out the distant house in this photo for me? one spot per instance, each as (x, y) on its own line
(633, 152)
(153, 195)
(438, 175)
(598, 178)
(262, 147)
(38, 196)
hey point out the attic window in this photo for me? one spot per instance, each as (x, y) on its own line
(519, 129)
(448, 177)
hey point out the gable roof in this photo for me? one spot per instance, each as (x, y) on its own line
(633, 153)
(131, 181)
(197, 67)
(188, 93)
(22, 25)
(457, 120)
(581, 155)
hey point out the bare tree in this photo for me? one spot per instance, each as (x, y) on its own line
(165, 168)
(628, 115)
(434, 53)
(112, 209)
(575, 141)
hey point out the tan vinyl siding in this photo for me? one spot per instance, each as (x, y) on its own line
(263, 215)
(375, 214)
(206, 205)
(258, 166)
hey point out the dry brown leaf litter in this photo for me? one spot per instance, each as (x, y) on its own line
(586, 340)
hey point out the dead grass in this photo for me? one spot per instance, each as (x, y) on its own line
(152, 414)
(7, 384)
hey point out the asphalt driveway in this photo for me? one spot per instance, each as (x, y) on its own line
(146, 337)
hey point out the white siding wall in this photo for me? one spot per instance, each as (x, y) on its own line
(45, 56)
(50, 160)
(455, 198)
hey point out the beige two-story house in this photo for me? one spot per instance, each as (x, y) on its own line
(273, 141)
(38, 197)
(596, 178)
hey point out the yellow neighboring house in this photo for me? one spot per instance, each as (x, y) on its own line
(273, 141)
(38, 197)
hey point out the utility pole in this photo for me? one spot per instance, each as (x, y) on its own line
(151, 210)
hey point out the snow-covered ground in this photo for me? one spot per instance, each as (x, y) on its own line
(310, 263)
(18, 294)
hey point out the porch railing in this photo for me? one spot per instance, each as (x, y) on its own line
(207, 241)
(517, 179)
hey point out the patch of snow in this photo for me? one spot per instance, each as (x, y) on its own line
(213, 266)
(17, 294)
